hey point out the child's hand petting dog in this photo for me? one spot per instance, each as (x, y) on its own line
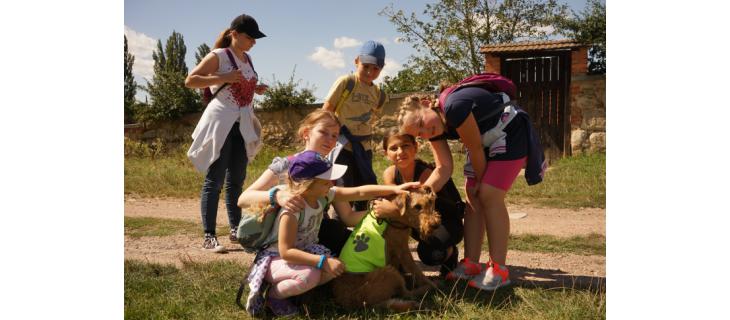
(403, 188)
(334, 266)
(385, 209)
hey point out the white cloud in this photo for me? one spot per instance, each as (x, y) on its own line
(384, 41)
(328, 58)
(141, 47)
(549, 30)
(345, 42)
(399, 40)
(390, 69)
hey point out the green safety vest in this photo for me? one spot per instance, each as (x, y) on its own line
(364, 250)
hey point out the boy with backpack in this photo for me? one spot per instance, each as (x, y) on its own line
(355, 100)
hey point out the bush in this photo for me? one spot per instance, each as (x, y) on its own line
(286, 94)
(134, 148)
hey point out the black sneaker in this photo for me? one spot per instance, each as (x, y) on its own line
(210, 243)
(233, 237)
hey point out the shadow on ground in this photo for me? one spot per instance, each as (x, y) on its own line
(544, 278)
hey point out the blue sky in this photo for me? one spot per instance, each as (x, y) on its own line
(320, 38)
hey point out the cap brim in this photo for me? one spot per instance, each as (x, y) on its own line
(368, 59)
(257, 34)
(334, 173)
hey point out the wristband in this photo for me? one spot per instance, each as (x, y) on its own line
(321, 261)
(272, 196)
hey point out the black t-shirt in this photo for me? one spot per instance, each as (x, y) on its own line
(448, 199)
(471, 100)
(485, 106)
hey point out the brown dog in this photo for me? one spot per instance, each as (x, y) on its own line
(379, 286)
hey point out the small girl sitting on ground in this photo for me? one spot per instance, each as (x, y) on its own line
(439, 248)
(294, 264)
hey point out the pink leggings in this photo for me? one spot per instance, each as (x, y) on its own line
(289, 280)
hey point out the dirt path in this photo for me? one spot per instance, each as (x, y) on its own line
(541, 269)
(558, 222)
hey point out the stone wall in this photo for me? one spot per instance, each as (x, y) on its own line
(588, 114)
(279, 126)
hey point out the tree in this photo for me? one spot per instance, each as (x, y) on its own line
(447, 42)
(589, 27)
(170, 99)
(130, 86)
(203, 51)
(286, 94)
(407, 80)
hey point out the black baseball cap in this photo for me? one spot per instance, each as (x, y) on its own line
(247, 24)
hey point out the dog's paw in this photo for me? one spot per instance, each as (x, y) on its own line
(361, 242)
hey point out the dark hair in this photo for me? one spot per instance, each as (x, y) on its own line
(394, 133)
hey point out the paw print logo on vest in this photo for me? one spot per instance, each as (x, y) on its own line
(361, 242)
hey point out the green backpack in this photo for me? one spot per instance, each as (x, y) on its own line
(255, 234)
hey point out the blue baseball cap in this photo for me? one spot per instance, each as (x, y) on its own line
(372, 52)
(309, 165)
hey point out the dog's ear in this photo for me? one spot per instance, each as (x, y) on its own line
(400, 201)
(427, 189)
(405, 202)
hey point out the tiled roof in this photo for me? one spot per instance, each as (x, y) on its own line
(531, 46)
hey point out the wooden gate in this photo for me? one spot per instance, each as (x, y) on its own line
(542, 79)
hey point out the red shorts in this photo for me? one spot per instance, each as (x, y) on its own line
(500, 174)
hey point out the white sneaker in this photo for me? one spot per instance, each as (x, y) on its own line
(210, 243)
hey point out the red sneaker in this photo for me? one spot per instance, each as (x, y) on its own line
(465, 270)
(496, 276)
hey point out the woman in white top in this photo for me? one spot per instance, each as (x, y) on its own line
(228, 133)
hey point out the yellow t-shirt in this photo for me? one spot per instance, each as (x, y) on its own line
(359, 110)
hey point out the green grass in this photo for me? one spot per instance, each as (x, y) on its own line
(197, 291)
(592, 244)
(136, 227)
(573, 182)
(171, 174)
(207, 291)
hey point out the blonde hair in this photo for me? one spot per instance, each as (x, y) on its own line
(296, 189)
(315, 117)
(412, 107)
